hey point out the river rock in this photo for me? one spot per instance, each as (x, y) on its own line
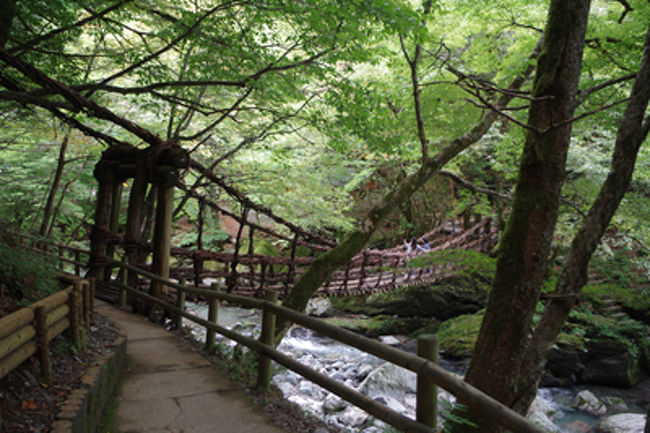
(544, 421)
(364, 371)
(390, 340)
(334, 403)
(388, 380)
(391, 403)
(588, 402)
(623, 423)
(541, 405)
(309, 389)
(353, 417)
(610, 363)
(578, 427)
(615, 405)
(318, 307)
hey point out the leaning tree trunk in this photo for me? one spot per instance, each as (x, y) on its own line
(49, 203)
(524, 248)
(327, 263)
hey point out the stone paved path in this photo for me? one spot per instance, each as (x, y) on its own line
(170, 389)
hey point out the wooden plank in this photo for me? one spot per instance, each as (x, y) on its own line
(56, 329)
(15, 321)
(51, 302)
(13, 341)
(16, 358)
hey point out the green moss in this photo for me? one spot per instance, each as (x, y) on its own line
(382, 324)
(457, 336)
(634, 298)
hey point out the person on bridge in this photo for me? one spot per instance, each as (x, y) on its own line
(425, 245)
(411, 247)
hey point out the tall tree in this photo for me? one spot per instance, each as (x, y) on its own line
(508, 359)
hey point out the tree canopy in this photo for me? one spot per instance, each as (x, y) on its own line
(363, 121)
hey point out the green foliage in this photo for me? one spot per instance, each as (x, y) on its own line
(25, 275)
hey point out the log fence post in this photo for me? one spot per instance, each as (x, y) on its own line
(85, 298)
(212, 317)
(124, 278)
(73, 306)
(266, 337)
(77, 259)
(180, 304)
(91, 294)
(40, 316)
(427, 393)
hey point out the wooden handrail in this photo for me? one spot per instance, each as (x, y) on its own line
(486, 405)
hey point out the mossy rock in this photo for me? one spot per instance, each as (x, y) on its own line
(457, 336)
(450, 298)
(382, 324)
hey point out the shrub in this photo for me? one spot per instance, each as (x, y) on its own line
(25, 276)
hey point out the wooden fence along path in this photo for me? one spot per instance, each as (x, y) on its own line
(28, 331)
(429, 374)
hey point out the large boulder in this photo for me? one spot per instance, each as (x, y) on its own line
(609, 362)
(623, 423)
(389, 380)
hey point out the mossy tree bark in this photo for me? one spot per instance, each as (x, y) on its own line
(632, 132)
(341, 254)
(508, 360)
(525, 244)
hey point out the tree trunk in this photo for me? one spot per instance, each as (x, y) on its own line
(64, 191)
(631, 134)
(60, 164)
(524, 248)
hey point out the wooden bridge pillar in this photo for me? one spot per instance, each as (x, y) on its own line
(162, 236)
(98, 237)
(134, 222)
(114, 223)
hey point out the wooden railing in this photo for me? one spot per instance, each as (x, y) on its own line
(29, 330)
(429, 374)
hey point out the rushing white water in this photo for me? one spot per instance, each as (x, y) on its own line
(353, 368)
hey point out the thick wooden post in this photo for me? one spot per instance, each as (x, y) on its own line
(134, 217)
(113, 224)
(124, 278)
(40, 316)
(180, 304)
(73, 306)
(427, 392)
(212, 317)
(266, 337)
(98, 237)
(162, 237)
(85, 299)
(91, 295)
(77, 259)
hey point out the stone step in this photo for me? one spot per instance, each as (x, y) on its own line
(618, 315)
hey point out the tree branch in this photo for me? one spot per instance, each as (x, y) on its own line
(468, 185)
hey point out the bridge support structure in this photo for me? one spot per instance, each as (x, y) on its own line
(152, 166)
